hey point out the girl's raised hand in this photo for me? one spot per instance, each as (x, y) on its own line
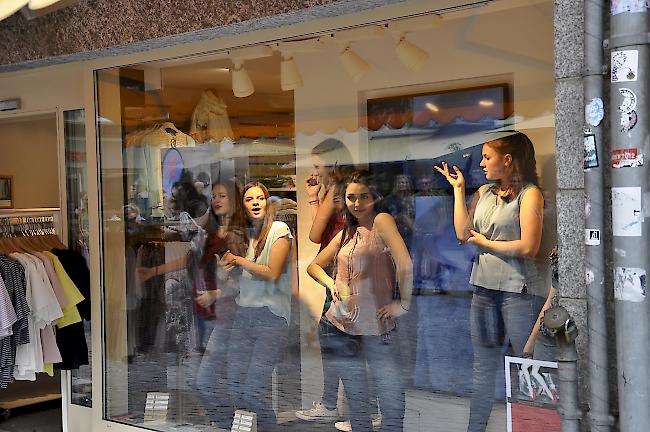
(456, 178)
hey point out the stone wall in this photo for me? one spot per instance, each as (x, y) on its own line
(99, 28)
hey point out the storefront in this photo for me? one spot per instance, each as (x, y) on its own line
(403, 89)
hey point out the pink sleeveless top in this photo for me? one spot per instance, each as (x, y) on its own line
(366, 266)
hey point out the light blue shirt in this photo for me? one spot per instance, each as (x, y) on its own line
(257, 292)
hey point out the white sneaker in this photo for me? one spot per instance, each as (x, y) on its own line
(318, 412)
(345, 426)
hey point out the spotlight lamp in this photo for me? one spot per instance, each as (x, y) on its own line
(290, 78)
(353, 64)
(411, 56)
(242, 86)
(40, 4)
(10, 7)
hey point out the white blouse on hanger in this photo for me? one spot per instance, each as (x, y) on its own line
(44, 309)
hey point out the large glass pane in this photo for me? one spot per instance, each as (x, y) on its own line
(76, 170)
(412, 188)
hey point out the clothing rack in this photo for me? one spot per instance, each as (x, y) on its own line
(29, 223)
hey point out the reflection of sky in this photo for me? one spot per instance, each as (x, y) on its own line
(439, 260)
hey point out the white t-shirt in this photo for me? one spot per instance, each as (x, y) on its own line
(257, 292)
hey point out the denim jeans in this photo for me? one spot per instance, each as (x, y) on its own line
(194, 357)
(497, 319)
(257, 342)
(380, 357)
(211, 381)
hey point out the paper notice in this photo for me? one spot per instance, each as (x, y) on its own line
(627, 211)
(629, 284)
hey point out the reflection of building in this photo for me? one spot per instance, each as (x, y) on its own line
(153, 72)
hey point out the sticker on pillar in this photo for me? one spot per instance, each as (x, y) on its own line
(627, 211)
(627, 109)
(591, 155)
(592, 237)
(628, 121)
(594, 112)
(633, 6)
(625, 65)
(627, 158)
(629, 284)
(589, 276)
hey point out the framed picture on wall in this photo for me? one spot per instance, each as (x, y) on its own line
(6, 192)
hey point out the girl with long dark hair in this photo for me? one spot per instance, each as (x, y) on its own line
(214, 291)
(370, 258)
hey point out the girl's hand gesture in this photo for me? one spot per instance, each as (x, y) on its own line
(312, 186)
(206, 298)
(228, 261)
(456, 178)
(476, 238)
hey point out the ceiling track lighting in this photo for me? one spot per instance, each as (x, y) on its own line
(10, 7)
(290, 78)
(410, 55)
(40, 4)
(355, 66)
(242, 86)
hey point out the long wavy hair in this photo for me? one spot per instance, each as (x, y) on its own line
(351, 222)
(236, 238)
(524, 165)
(268, 217)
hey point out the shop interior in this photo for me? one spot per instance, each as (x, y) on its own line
(31, 210)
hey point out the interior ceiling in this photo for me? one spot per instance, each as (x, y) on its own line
(184, 79)
(215, 74)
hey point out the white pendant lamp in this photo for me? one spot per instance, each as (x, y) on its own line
(411, 56)
(40, 4)
(10, 7)
(353, 64)
(290, 78)
(242, 86)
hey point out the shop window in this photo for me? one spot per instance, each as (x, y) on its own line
(76, 168)
(327, 124)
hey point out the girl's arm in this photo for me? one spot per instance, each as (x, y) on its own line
(321, 216)
(146, 273)
(273, 269)
(387, 229)
(530, 344)
(317, 267)
(531, 218)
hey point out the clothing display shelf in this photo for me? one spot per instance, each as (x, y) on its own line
(45, 389)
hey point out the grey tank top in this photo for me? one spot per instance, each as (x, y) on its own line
(500, 222)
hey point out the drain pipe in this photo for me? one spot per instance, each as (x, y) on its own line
(629, 108)
(595, 164)
(558, 321)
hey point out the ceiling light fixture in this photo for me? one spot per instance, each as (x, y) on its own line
(40, 4)
(242, 86)
(10, 7)
(290, 78)
(353, 64)
(411, 56)
(486, 103)
(431, 107)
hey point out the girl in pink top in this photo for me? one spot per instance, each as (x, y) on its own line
(370, 257)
